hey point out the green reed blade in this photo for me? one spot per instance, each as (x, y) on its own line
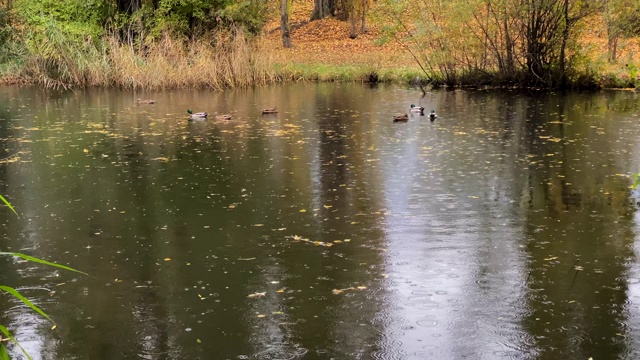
(9, 205)
(40, 261)
(26, 301)
(3, 350)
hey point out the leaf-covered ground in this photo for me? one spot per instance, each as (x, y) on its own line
(327, 42)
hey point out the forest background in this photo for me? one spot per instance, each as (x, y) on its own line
(228, 43)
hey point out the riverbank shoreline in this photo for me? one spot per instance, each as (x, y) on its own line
(321, 51)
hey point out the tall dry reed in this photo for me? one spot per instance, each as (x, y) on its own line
(229, 59)
(226, 59)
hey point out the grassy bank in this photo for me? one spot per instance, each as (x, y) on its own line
(322, 51)
(233, 60)
(321, 72)
(228, 59)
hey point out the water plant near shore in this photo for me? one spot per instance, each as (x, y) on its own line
(5, 334)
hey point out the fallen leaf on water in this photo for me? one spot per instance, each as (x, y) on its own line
(258, 294)
(340, 291)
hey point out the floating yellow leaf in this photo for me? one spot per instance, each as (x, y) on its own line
(261, 315)
(198, 341)
(167, 259)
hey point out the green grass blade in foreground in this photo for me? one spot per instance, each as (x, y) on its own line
(3, 353)
(9, 205)
(40, 261)
(636, 182)
(6, 333)
(26, 301)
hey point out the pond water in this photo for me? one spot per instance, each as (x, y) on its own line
(505, 229)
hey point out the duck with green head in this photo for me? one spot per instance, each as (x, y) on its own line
(415, 108)
(197, 115)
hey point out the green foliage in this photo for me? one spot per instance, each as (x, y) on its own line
(250, 14)
(6, 202)
(4, 332)
(622, 17)
(197, 17)
(6, 30)
(40, 261)
(24, 300)
(80, 18)
(3, 350)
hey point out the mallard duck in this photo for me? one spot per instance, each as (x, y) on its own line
(197, 116)
(433, 115)
(223, 117)
(419, 109)
(400, 117)
(273, 110)
(143, 101)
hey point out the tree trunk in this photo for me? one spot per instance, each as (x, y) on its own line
(353, 33)
(128, 6)
(322, 9)
(284, 24)
(612, 43)
(563, 46)
(509, 61)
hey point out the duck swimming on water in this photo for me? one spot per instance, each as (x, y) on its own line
(415, 108)
(400, 117)
(197, 115)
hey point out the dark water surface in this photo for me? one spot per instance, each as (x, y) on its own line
(506, 229)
